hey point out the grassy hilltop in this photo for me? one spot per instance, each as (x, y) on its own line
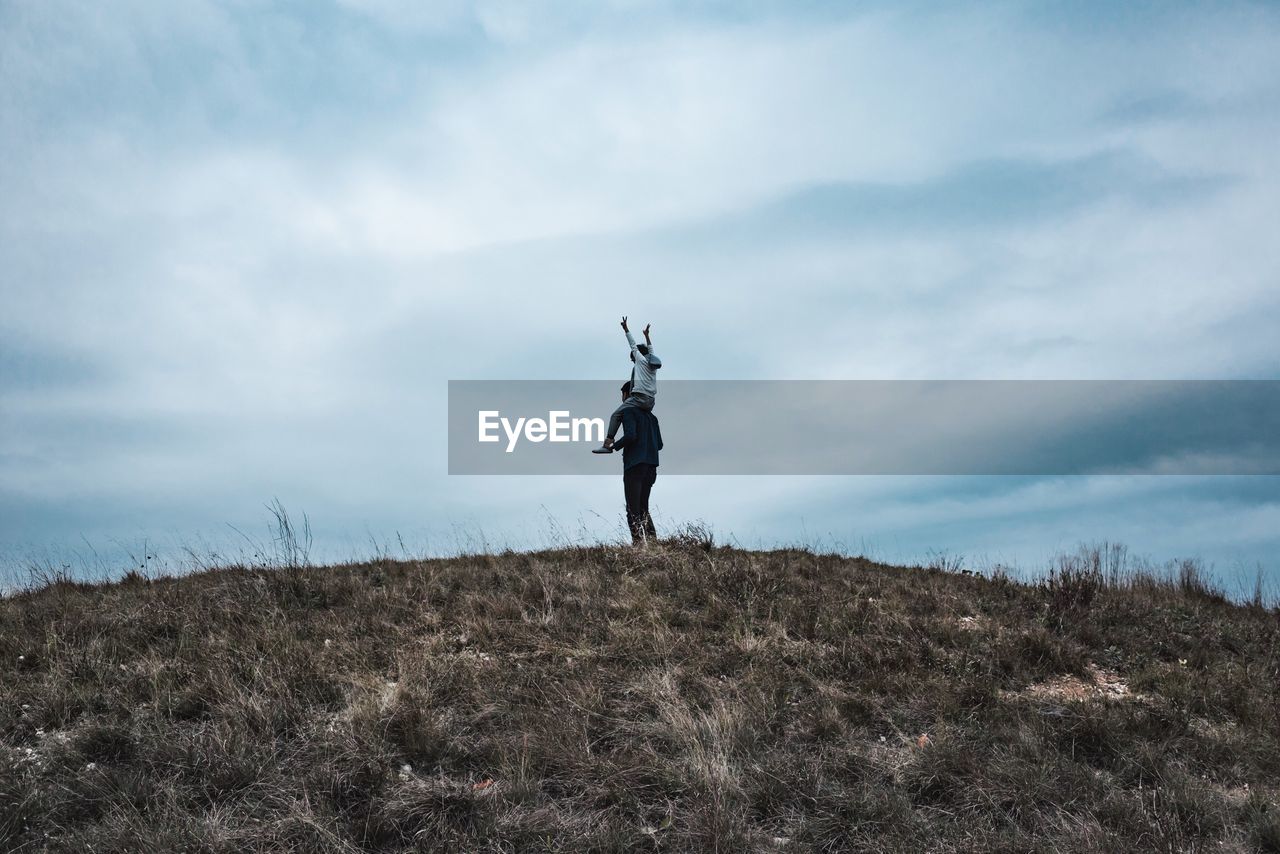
(680, 698)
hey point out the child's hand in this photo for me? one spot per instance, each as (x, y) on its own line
(624, 324)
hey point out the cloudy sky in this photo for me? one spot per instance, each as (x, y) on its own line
(244, 246)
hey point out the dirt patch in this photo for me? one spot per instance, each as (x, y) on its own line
(975, 623)
(1102, 683)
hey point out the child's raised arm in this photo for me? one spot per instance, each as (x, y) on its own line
(630, 340)
(651, 357)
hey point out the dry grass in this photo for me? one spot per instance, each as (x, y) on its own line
(680, 698)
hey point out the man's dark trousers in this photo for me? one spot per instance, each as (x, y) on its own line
(637, 481)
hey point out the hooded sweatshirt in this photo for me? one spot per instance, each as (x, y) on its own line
(644, 378)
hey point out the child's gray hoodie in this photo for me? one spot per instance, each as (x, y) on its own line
(644, 378)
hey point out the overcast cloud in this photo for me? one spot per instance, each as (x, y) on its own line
(243, 247)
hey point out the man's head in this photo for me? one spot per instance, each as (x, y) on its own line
(626, 389)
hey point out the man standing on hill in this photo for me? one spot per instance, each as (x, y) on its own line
(640, 442)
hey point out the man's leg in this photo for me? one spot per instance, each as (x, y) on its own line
(632, 487)
(650, 475)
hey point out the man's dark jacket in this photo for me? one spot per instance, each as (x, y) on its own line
(641, 439)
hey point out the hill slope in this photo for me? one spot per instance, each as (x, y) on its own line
(681, 698)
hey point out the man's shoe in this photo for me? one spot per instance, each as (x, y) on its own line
(602, 450)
